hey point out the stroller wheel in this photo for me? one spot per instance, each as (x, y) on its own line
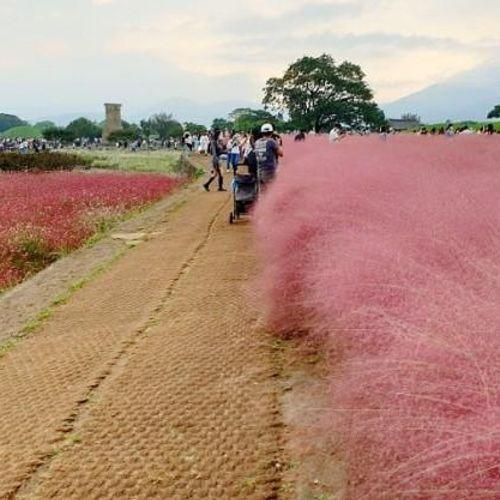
(231, 218)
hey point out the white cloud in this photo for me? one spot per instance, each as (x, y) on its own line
(394, 43)
(196, 46)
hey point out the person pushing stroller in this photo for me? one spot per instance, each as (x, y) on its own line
(262, 162)
(267, 150)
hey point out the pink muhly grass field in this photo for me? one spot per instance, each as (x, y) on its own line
(43, 216)
(389, 251)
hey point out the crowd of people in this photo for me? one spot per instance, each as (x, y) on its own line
(258, 151)
(234, 146)
(34, 145)
(26, 145)
(338, 132)
(451, 130)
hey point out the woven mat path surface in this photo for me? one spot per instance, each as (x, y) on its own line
(153, 381)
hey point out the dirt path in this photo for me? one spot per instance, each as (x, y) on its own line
(21, 305)
(153, 381)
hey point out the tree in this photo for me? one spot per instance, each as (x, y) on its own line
(163, 125)
(44, 125)
(495, 112)
(246, 119)
(58, 134)
(131, 133)
(411, 117)
(317, 93)
(132, 129)
(82, 127)
(222, 124)
(10, 121)
(237, 113)
(194, 128)
(146, 128)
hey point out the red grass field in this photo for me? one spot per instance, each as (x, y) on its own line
(46, 215)
(389, 253)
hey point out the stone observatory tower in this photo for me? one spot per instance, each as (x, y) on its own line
(113, 120)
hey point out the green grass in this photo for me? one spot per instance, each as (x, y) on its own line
(25, 131)
(143, 161)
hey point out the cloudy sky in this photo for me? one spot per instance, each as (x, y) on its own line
(68, 55)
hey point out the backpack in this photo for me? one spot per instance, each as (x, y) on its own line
(261, 151)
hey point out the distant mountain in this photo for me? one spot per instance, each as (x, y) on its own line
(467, 96)
(8, 121)
(186, 110)
(22, 131)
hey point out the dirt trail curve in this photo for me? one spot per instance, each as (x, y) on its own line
(153, 381)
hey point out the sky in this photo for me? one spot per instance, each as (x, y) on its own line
(69, 55)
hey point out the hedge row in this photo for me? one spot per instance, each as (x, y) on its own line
(44, 161)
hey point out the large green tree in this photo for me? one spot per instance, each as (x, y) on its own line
(82, 127)
(195, 128)
(44, 125)
(246, 119)
(495, 112)
(10, 121)
(317, 93)
(222, 124)
(162, 125)
(58, 134)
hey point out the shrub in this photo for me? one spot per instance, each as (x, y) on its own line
(128, 134)
(390, 253)
(30, 253)
(185, 168)
(44, 161)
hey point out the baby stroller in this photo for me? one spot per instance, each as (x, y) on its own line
(245, 191)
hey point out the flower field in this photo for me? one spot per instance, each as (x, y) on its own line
(388, 253)
(43, 216)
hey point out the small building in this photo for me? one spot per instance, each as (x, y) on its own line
(400, 124)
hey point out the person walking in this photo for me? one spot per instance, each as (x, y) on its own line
(267, 151)
(188, 142)
(336, 133)
(204, 143)
(216, 149)
(234, 153)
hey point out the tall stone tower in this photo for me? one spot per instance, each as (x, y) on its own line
(113, 120)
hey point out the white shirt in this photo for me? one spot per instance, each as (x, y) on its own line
(235, 147)
(334, 135)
